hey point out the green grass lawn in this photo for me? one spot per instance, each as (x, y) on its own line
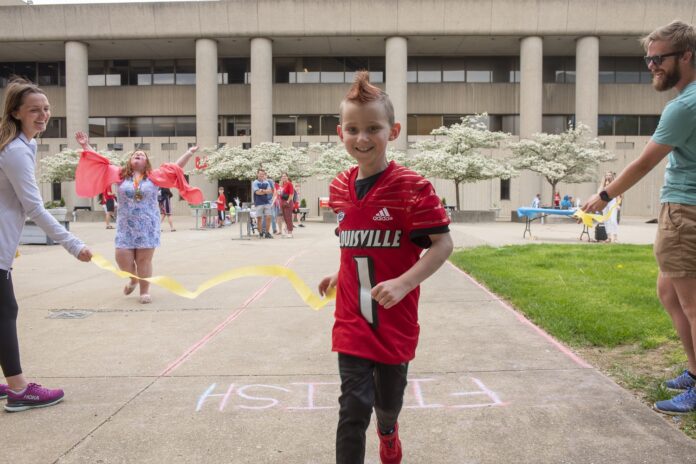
(599, 299)
(583, 295)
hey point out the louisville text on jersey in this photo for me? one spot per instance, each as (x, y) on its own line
(370, 238)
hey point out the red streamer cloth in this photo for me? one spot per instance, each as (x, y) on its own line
(94, 174)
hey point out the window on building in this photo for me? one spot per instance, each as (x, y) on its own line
(429, 69)
(555, 124)
(511, 124)
(308, 125)
(97, 127)
(141, 126)
(163, 72)
(309, 72)
(605, 125)
(116, 73)
(140, 72)
(285, 125)
(185, 72)
(559, 69)
(186, 126)
(648, 124)
(479, 70)
(625, 125)
(284, 67)
(332, 70)
(354, 64)
(114, 146)
(453, 70)
(117, 127)
(6, 71)
(164, 126)
(504, 189)
(26, 70)
(628, 69)
(329, 124)
(48, 74)
(96, 76)
(233, 71)
(55, 129)
(377, 70)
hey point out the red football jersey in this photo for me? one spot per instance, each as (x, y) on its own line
(376, 238)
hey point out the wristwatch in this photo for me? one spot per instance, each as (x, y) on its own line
(604, 196)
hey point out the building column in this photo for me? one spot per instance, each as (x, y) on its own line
(531, 109)
(76, 90)
(76, 108)
(587, 97)
(261, 90)
(206, 108)
(531, 85)
(587, 82)
(396, 55)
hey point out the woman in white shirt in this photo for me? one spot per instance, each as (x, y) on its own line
(25, 114)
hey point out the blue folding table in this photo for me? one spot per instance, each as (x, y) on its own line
(532, 214)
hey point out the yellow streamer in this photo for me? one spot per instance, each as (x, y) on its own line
(590, 218)
(314, 301)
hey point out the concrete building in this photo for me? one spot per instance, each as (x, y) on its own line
(246, 71)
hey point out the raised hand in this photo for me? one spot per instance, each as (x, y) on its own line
(82, 138)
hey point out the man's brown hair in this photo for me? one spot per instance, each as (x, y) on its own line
(680, 35)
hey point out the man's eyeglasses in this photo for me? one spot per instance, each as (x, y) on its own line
(658, 59)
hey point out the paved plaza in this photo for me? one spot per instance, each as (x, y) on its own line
(245, 373)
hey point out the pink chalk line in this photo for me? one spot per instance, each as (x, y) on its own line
(561, 347)
(237, 312)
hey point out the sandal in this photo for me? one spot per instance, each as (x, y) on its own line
(128, 289)
(109, 227)
(145, 298)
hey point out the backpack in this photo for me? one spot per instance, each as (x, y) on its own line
(600, 233)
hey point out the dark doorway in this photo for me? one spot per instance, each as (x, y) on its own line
(235, 188)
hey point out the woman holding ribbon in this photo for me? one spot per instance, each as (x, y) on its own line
(138, 222)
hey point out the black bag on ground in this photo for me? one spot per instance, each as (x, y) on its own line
(600, 233)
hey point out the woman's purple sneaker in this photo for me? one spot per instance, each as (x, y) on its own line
(34, 396)
(3, 391)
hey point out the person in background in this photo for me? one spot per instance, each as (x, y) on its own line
(221, 202)
(164, 198)
(286, 193)
(109, 202)
(536, 201)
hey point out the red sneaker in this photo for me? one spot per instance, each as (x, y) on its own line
(390, 446)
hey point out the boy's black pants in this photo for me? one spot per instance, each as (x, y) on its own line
(366, 384)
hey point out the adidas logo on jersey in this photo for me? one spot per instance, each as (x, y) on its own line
(382, 215)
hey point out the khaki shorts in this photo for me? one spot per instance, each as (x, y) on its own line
(675, 244)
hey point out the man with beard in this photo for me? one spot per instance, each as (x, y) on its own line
(670, 58)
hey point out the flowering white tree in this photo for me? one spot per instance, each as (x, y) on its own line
(571, 157)
(459, 157)
(230, 162)
(334, 159)
(61, 166)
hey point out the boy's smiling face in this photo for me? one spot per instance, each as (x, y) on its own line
(365, 131)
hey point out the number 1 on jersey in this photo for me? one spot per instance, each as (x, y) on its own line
(366, 280)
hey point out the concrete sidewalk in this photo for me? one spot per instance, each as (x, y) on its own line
(244, 373)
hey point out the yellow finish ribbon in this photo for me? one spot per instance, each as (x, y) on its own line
(314, 301)
(589, 219)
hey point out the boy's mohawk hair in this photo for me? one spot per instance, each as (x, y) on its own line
(362, 92)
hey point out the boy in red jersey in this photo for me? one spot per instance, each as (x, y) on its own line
(387, 215)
